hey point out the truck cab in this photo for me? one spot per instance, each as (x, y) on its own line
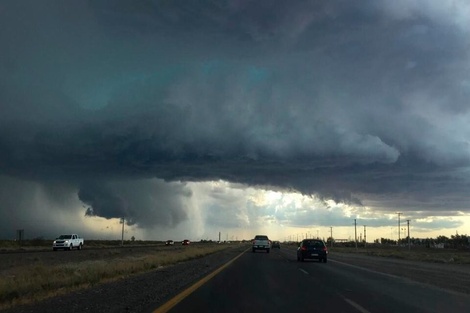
(68, 242)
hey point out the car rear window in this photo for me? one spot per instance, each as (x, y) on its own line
(261, 237)
(314, 243)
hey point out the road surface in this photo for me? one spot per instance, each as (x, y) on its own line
(276, 282)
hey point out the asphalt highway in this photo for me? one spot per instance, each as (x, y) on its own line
(277, 282)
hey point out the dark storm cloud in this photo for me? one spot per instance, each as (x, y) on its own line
(148, 203)
(349, 101)
(40, 209)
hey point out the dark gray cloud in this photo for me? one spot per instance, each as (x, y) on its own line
(148, 203)
(361, 103)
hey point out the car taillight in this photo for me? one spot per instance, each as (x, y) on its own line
(303, 248)
(325, 249)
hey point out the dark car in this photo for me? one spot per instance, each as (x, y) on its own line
(169, 243)
(276, 244)
(185, 242)
(312, 249)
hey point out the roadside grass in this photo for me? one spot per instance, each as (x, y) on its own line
(46, 244)
(35, 282)
(451, 256)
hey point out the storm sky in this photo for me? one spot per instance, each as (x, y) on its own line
(200, 116)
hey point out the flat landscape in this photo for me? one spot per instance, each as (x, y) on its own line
(33, 273)
(267, 133)
(141, 278)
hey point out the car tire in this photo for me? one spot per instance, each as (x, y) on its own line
(298, 259)
(54, 249)
(301, 258)
(253, 250)
(71, 247)
(79, 247)
(324, 260)
(267, 251)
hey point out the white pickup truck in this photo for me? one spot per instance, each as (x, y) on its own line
(68, 242)
(261, 242)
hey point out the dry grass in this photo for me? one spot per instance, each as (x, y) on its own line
(416, 254)
(29, 283)
(46, 244)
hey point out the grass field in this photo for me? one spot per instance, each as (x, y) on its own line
(44, 244)
(415, 253)
(45, 275)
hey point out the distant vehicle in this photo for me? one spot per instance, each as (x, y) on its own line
(261, 242)
(185, 242)
(312, 249)
(169, 243)
(68, 242)
(276, 244)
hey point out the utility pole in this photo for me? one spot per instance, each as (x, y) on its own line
(398, 242)
(331, 235)
(365, 237)
(355, 232)
(409, 240)
(122, 234)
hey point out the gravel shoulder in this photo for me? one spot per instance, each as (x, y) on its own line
(137, 293)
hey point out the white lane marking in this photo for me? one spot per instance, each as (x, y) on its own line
(405, 279)
(367, 270)
(305, 272)
(356, 306)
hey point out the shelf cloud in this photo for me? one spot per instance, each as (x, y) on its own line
(121, 104)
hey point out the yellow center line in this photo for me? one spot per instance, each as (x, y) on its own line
(179, 297)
